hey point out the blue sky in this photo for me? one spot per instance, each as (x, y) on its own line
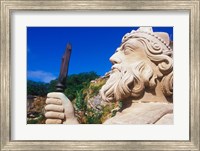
(91, 49)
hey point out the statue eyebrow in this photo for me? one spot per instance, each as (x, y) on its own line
(119, 48)
(132, 45)
(124, 44)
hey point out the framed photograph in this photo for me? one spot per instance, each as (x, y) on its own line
(100, 37)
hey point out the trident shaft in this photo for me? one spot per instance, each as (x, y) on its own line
(61, 85)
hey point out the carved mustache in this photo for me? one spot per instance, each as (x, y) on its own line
(116, 67)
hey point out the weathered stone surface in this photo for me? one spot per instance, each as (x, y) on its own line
(166, 119)
(144, 113)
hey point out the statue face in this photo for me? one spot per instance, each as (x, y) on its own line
(129, 52)
(131, 71)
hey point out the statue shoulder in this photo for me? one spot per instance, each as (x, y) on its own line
(144, 113)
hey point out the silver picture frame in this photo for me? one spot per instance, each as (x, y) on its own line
(8, 6)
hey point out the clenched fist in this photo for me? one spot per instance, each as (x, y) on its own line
(59, 109)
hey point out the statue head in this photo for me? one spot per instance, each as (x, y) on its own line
(143, 63)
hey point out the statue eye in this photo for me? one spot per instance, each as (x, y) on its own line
(127, 51)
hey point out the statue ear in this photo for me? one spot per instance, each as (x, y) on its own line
(164, 36)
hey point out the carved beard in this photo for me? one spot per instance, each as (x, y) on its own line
(128, 81)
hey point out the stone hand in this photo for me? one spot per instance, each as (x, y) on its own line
(59, 109)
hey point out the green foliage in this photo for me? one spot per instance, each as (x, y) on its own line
(93, 88)
(37, 88)
(93, 116)
(36, 120)
(74, 83)
(77, 82)
(52, 85)
(106, 112)
(80, 102)
(87, 115)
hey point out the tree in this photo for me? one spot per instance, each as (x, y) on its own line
(52, 85)
(74, 84)
(37, 88)
(77, 82)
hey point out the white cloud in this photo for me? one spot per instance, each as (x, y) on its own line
(41, 76)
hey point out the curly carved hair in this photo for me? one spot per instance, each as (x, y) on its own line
(163, 61)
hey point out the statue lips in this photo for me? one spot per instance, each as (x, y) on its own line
(116, 67)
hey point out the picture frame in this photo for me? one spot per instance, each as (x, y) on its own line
(8, 7)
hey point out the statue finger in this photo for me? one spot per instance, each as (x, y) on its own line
(54, 115)
(57, 95)
(52, 107)
(53, 121)
(53, 101)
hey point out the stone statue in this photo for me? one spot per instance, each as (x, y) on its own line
(141, 77)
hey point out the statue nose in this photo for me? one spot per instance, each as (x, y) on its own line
(114, 59)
